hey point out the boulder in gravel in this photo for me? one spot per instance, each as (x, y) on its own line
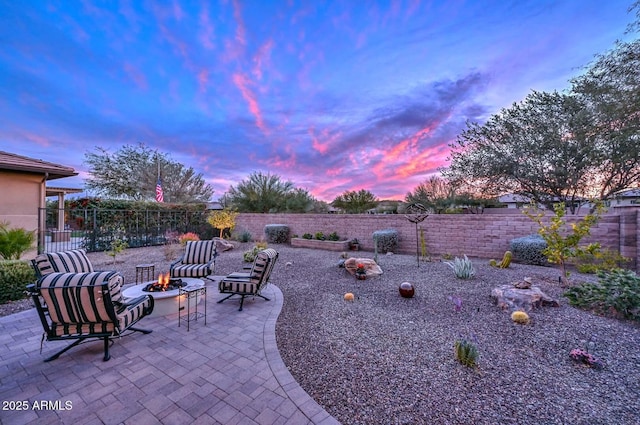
(223, 245)
(370, 266)
(508, 297)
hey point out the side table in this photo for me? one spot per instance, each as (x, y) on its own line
(190, 296)
(145, 273)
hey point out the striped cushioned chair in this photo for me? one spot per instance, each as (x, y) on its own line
(251, 283)
(81, 306)
(198, 260)
(74, 261)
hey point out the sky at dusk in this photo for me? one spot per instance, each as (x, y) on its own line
(332, 95)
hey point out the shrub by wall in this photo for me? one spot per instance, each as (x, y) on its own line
(15, 275)
(528, 250)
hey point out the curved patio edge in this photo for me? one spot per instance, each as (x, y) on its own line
(307, 405)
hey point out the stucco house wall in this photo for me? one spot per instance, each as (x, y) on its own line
(21, 194)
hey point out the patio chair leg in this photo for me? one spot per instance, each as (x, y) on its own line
(144, 331)
(241, 303)
(226, 298)
(107, 356)
(56, 355)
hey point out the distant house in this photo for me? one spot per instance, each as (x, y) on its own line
(23, 188)
(628, 198)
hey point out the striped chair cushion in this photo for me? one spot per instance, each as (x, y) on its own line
(239, 286)
(191, 270)
(74, 261)
(199, 252)
(129, 314)
(75, 301)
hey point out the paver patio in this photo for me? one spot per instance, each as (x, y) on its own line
(227, 372)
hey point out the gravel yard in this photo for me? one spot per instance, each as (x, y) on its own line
(384, 359)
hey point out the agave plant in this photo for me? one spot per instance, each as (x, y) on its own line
(466, 352)
(462, 267)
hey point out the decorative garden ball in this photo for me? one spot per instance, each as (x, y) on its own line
(406, 290)
(348, 296)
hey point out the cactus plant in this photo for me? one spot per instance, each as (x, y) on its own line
(520, 317)
(506, 260)
(466, 352)
(505, 263)
(462, 267)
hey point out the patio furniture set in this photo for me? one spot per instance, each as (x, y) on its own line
(75, 302)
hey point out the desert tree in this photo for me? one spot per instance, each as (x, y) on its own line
(353, 202)
(132, 172)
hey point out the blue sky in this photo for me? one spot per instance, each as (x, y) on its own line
(332, 95)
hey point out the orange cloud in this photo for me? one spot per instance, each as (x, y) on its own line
(242, 84)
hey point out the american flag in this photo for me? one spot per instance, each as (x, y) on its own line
(159, 193)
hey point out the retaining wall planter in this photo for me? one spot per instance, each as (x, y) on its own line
(317, 244)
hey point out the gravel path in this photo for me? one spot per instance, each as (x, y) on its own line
(384, 359)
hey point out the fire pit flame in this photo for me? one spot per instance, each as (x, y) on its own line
(164, 283)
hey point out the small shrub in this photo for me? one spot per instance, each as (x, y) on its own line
(117, 246)
(333, 236)
(462, 267)
(616, 294)
(386, 240)
(14, 242)
(15, 275)
(244, 236)
(250, 255)
(307, 236)
(466, 352)
(277, 233)
(529, 250)
(186, 237)
(320, 236)
(601, 260)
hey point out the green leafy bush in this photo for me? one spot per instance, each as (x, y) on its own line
(600, 260)
(14, 242)
(616, 294)
(15, 275)
(386, 240)
(529, 250)
(244, 236)
(307, 236)
(320, 236)
(277, 233)
(333, 236)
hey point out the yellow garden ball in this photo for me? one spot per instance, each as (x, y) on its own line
(348, 296)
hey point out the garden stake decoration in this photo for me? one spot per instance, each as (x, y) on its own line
(418, 214)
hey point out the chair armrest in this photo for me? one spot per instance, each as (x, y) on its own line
(178, 261)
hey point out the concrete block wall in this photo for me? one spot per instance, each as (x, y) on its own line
(483, 236)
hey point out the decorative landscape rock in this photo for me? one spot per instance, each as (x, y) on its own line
(508, 297)
(223, 245)
(370, 266)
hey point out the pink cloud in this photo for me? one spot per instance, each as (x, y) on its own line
(242, 83)
(203, 78)
(207, 29)
(136, 76)
(261, 58)
(241, 36)
(328, 139)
